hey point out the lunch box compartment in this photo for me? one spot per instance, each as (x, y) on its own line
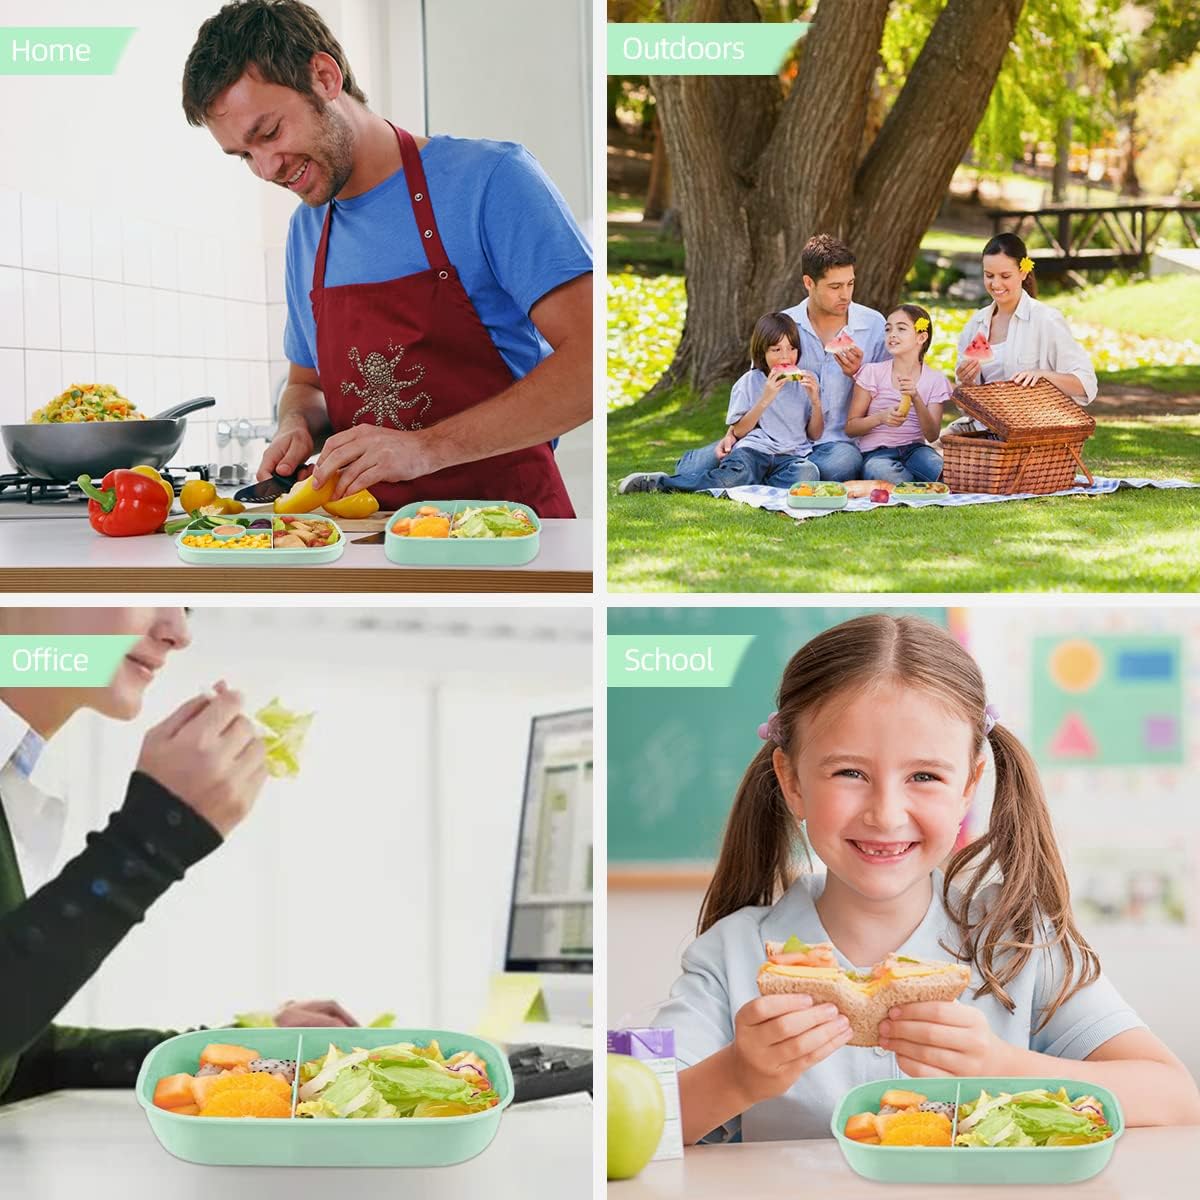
(270, 557)
(974, 1164)
(817, 501)
(312, 1142)
(462, 552)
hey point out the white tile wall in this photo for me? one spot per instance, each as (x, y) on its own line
(42, 328)
(136, 236)
(108, 301)
(164, 258)
(39, 234)
(107, 245)
(10, 228)
(75, 314)
(74, 241)
(12, 308)
(77, 367)
(43, 378)
(12, 391)
(166, 321)
(111, 368)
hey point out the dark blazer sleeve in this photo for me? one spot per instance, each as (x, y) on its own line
(52, 943)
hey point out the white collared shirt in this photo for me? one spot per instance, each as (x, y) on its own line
(1038, 339)
(35, 819)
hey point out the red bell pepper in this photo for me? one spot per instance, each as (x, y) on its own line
(126, 503)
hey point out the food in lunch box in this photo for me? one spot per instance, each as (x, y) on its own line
(243, 540)
(404, 1080)
(126, 504)
(862, 997)
(821, 488)
(917, 487)
(309, 533)
(1033, 1118)
(87, 402)
(488, 521)
(284, 737)
(842, 342)
(230, 1081)
(979, 349)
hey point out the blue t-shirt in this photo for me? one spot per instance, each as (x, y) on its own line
(865, 326)
(783, 426)
(504, 225)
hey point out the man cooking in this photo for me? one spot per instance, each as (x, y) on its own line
(438, 290)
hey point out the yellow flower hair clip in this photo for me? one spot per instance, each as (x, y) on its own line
(1026, 265)
(921, 324)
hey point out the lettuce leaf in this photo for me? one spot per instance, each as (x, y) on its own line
(284, 738)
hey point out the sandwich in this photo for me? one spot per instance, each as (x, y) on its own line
(794, 967)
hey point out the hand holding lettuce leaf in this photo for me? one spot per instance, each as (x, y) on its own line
(284, 737)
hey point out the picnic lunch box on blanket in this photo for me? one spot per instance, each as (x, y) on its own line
(462, 552)
(1041, 433)
(974, 1164)
(829, 500)
(320, 1142)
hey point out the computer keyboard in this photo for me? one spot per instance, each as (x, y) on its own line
(541, 1071)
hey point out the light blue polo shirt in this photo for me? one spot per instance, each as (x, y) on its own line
(783, 427)
(720, 972)
(505, 227)
(865, 326)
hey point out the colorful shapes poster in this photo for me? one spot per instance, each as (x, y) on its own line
(1108, 701)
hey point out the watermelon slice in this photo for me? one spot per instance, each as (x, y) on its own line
(979, 350)
(843, 341)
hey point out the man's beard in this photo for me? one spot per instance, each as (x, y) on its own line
(333, 153)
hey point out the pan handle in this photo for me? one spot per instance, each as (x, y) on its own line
(183, 408)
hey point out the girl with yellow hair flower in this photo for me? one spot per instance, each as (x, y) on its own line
(896, 406)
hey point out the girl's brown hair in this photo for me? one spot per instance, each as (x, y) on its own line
(1010, 245)
(915, 313)
(758, 860)
(768, 330)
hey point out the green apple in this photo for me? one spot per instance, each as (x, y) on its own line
(635, 1115)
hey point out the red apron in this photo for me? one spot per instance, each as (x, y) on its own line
(409, 352)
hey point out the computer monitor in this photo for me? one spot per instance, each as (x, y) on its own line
(550, 921)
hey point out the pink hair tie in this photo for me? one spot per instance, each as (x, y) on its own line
(769, 729)
(991, 714)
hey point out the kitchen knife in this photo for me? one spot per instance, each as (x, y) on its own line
(266, 490)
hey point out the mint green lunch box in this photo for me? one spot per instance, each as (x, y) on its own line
(974, 1164)
(462, 552)
(838, 500)
(311, 1142)
(270, 557)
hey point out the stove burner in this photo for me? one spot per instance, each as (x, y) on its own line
(19, 486)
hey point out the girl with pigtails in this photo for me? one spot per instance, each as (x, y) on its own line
(871, 762)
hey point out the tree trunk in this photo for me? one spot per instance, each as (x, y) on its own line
(1062, 161)
(658, 191)
(756, 175)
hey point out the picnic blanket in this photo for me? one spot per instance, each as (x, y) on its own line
(775, 499)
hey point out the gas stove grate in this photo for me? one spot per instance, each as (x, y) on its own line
(28, 489)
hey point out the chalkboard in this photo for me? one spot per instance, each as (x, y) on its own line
(676, 755)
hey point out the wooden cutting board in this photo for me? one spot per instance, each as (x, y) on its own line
(375, 523)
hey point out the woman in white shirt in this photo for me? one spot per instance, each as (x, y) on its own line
(1029, 339)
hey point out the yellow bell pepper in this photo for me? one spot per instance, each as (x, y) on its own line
(304, 497)
(196, 494)
(354, 508)
(151, 473)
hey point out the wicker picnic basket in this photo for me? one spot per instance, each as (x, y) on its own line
(1041, 432)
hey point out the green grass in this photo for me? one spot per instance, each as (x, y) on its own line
(633, 247)
(1130, 541)
(1175, 381)
(623, 202)
(1167, 307)
(945, 242)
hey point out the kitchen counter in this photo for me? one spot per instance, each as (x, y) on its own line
(1146, 1164)
(100, 1145)
(67, 555)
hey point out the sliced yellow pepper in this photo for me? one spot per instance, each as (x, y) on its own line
(151, 473)
(222, 506)
(354, 508)
(196, 494)
(304, 497)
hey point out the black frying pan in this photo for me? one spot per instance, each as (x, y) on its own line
(67, 449)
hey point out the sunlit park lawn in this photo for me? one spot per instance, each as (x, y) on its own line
(1132, 541)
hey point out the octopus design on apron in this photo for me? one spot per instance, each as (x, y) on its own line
(381, 395)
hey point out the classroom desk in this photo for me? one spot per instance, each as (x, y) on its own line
(99, 1144)
(1147, 1164)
